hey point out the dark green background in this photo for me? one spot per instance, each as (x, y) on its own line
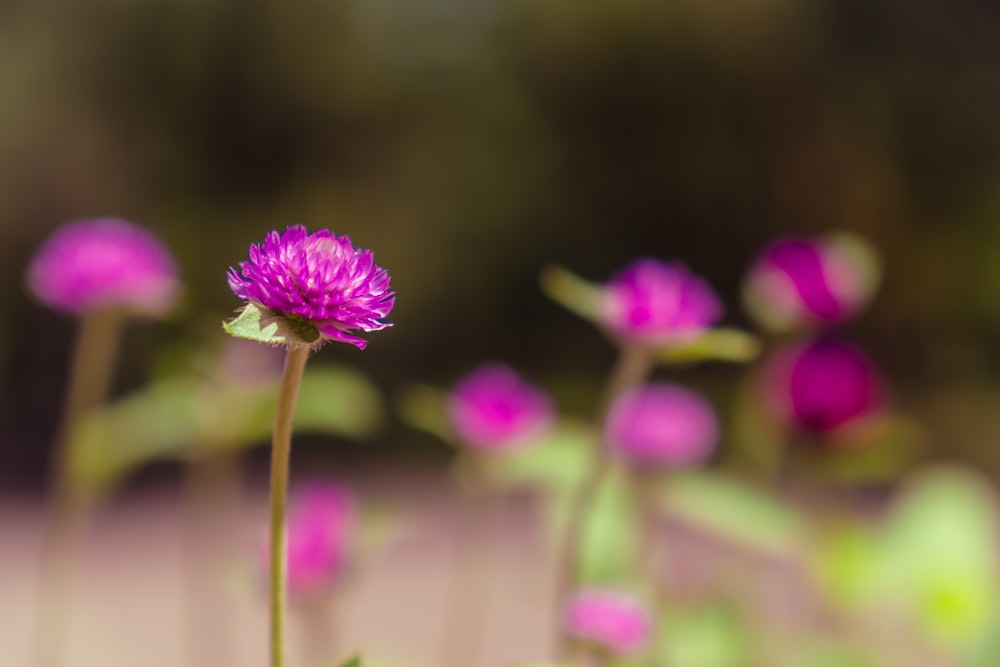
(472, 142)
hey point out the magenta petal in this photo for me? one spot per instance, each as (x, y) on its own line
(319, 277)
(332, 332)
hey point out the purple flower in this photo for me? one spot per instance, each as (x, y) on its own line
(104, 263)
(661, 425)
(493, 409)
(616, 622)
(320, 528)
(654, 302)
(804, 282)
(822, 385)
(319, 278)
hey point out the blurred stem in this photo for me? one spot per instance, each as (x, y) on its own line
(464, 629)
(211, 488)
(634, 365)
(91, 366)
(281, 446)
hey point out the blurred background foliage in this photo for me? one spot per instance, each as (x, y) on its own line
(473, 143)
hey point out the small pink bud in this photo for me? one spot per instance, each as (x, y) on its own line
(657, 303)
(493, 409)
(661, 425)
(611, 619)
(810, 282)
(320, 529)
(822, 385)
(104, 263)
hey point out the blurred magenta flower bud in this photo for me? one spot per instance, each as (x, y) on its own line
(318, 278)
(657, 303)
(823, 385)
(320, 530)
(661, 425)
(798, 282)
(493, 409)
(104, 263)
(615, 621)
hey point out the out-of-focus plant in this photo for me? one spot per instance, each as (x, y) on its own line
(101, 271)
(800, 283)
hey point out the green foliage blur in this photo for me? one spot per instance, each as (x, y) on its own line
(471, 144)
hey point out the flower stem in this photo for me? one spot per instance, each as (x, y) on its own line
(634, 365)
(91, 366)
(281, 446)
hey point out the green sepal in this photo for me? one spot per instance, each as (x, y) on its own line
(255, 322)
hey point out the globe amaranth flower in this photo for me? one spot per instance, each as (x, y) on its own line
(104, 263)
(799, 282)
(615, 621)
(320, 279)
(822, 386)
(661, 425)
(321, 526)
(493, 409)
(657, 303)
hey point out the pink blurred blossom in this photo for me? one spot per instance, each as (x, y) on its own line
(104, 263)
(806, 282)
(822, 385)
(321, 525)
(493, 409)
(655, 302)
(617, 622)
(661, 424)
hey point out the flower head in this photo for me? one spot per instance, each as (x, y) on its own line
(822, 385)
(494, 409)
(104, 263)
(806, 282)
(320, 279)
(320, 528)
(661, 424)
(655, 302)
(617, 622)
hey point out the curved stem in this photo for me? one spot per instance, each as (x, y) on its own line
(91, 366)
(281, 446)
(634, 365)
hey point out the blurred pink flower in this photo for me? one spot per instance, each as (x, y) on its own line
(320, 529)
(655, 302)
(795, 282)
(611, 619)
(661, 424)
(495, 410)
(822, 385)
(104, 263)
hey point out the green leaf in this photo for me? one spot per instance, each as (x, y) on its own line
(558, 463)
(609, 545)
(733, 510)
(422, 407)
(938, 555)
(353, 662)
(708, 635)
(572, 292)
(181, 417)
(721, 344)
(255, 322)
(987, 653)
